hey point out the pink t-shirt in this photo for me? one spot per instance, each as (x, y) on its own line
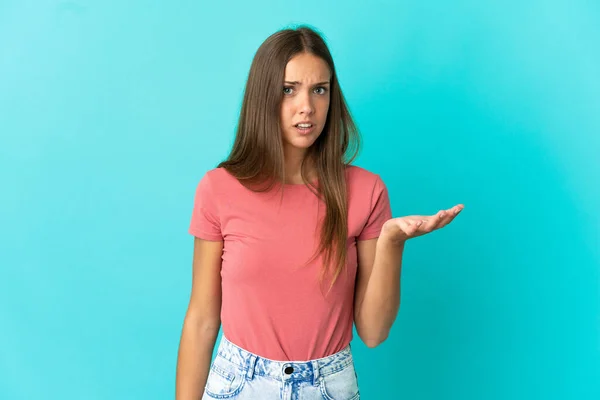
(272, 304)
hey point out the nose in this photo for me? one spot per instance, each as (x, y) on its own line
(306, 104)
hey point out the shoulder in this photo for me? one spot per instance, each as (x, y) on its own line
(217, 179)
(359, 178)
(218, 174)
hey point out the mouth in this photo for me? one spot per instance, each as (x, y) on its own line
(304, 128)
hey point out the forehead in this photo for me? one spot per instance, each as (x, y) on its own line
(307, 67)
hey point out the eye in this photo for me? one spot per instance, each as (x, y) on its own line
(321, 87)
(287, 88)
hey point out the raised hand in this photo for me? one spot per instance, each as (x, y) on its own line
(404, 228)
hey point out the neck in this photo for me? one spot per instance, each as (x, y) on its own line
(293, 169)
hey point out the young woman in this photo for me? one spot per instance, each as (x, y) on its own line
(293, 245)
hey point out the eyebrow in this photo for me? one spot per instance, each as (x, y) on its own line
(298, 83)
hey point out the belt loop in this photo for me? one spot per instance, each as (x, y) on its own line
(316, 372)
(250, 367)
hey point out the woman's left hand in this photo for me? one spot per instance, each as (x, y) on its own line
(404, 228)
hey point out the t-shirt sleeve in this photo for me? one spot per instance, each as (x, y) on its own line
(380, 211)
(205, 223)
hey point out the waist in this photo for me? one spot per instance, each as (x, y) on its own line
(309, 370)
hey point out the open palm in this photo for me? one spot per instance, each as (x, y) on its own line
(411, 226)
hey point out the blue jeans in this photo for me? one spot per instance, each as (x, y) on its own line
(239, 374)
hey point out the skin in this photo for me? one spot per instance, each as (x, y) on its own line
(404, 228)
(306, 97)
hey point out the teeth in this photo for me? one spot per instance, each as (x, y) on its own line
(304, 125)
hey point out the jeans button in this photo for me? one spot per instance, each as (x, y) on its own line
(289, 370)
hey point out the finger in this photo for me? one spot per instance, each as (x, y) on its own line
(456, 209)
(446, 218)
(414, 220)
(432, 222)
(449, 216)
(410, 226)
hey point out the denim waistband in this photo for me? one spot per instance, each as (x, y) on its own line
(280, 370)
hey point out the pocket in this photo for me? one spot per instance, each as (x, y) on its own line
(225, 380)
(341, 385)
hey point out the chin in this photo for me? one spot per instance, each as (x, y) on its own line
(302, 143)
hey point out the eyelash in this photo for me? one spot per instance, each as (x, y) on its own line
(319, 87)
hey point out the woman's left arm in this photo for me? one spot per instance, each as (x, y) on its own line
(377, 292)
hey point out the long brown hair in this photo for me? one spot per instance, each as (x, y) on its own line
(257, 157)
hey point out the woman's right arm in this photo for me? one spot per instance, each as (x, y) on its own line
(202, 321)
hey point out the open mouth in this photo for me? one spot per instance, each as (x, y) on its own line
(304, 128)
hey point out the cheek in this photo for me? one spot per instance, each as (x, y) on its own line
(284, 110)
(325, 105)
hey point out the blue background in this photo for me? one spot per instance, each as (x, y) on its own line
(111, 112)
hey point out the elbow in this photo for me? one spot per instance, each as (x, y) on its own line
(372, 342)
(372, 332)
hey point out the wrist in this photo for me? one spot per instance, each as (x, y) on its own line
(392, 234)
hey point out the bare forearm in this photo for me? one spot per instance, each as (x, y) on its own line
(194, 359)
(381, 302)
